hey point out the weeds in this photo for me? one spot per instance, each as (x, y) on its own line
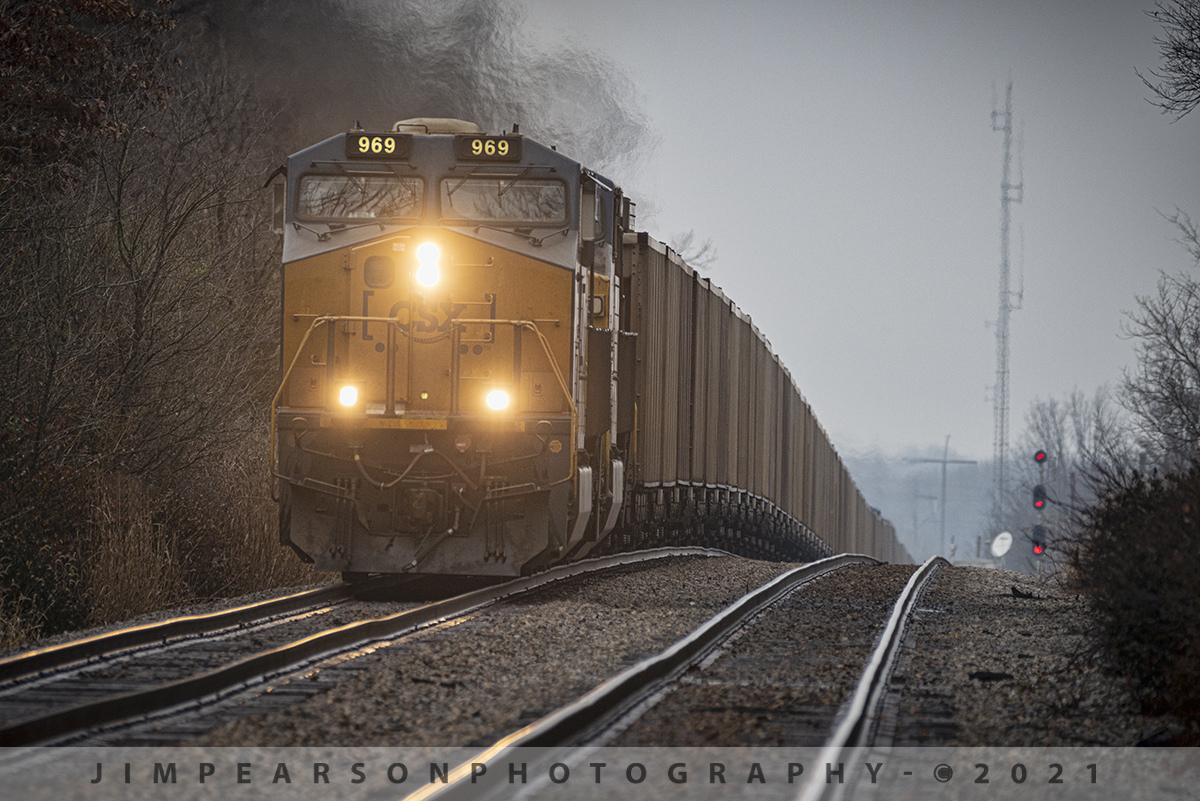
(42, 514)
(91, 553)
(1136, 560)
(132, 564)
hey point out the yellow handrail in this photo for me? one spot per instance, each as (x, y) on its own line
(562, 383)
(327, 319)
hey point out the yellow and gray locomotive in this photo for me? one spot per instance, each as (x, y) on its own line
(486, 370)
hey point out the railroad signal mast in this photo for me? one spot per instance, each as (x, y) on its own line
(1038, 535)
(1009, 193)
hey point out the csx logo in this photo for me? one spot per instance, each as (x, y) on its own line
(426, 317)
(420, 316)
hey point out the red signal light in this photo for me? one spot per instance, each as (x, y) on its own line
(1039, 496)
(1038, 538)
(1040, 456)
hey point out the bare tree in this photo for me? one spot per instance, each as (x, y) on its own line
(190, 278)
(1163, 389)
(66, 66)
(1105, 448)
(1090, 449)
(472, 59)
(701, 256)
(140, 306)
(1177, 82)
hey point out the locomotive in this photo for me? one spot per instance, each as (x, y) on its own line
(486, 370)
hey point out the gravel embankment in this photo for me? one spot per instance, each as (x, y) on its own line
(984, 667)
(472, 682)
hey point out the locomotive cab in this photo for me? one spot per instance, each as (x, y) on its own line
(450, 320)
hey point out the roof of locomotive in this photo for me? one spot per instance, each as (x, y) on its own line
(436, 125)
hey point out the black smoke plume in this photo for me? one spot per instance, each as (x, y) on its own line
(334, 62)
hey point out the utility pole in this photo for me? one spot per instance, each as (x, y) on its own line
(945, 460)
(917, 498)
(1009, 193)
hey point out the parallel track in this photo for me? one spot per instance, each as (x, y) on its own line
(854, 728)
(55, 658)
(73, 723)
(577, 722)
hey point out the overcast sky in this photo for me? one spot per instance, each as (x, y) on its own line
(841, 157)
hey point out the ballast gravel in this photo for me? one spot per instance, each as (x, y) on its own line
(475, 680)
(982, 665)
(158, 616)
(782, 678)
(996, 658)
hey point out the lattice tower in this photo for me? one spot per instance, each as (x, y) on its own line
(1009, 193)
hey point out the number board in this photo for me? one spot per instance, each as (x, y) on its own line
(361, 145)
(489, 148)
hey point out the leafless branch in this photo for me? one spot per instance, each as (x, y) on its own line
(1177, 81)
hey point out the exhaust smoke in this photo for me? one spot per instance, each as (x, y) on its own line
(334, 62)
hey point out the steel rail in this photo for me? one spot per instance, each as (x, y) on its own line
(854, 721)
(572, 723)
(58, 657)
(293, 655)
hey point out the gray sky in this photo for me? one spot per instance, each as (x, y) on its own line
(840, 155)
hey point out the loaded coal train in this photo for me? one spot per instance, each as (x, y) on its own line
(486, 370)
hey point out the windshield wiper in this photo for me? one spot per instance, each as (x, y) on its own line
(335, 228)
(450, 192)
(504, 189)
(524, 233)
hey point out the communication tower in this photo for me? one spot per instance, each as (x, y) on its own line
(1009, 193)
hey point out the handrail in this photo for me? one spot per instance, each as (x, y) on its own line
(395, 322)
(545, 343)
(279, 394)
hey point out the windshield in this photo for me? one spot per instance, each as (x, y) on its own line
(359, 197)
(540, 202)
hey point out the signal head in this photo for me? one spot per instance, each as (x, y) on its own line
(1039, 457)
(1038, 537)
(1039, 497)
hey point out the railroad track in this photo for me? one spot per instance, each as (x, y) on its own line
(855, 728)
(31, 699)
(600, 716)
(19, 669)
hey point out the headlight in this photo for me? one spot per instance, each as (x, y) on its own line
(427, 269)
(348, 396)
(497, 399)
